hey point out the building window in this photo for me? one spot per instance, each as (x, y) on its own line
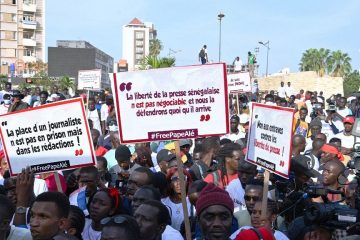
(28, 2)
(29, 52)
(28, 35)
(139, 34)
(29, 18)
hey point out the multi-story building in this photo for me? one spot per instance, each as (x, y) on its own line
(22, 35)
(69, 57)
(136, 42)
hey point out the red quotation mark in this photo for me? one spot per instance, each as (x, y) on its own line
(125, 86)
(204, 118)
(79, 152)
(282, 163)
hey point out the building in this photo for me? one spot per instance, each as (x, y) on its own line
(68, 57)
(136, 42)
(22, 36)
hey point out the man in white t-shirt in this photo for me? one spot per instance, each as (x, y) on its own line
(237, 65)
(235, 134)
(341, 112)
(347, 139)
(289, 90)
(94, 115)
(282, 90)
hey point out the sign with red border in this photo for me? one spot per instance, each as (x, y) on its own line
(171, 103)
(269, 140)
(47, 138)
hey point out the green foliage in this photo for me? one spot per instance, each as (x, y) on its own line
(323, 61)
(151, 62)
(351, 83)
(66, 82)
(155, 47)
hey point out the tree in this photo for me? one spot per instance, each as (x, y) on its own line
(315, 60)
(339, 64)
(155, 47)
(151, 62)
(351, 83)
(66, 82)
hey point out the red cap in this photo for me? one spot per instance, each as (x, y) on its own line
(349, 119)
(255, 234)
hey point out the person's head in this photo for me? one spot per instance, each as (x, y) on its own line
(313, 100)
(298, 143)
(95, 134)
(185, 145)
(101, 163)
(283, 103)
(143, 157)
(197, 152)
(282, 84)
(210, 146)
(106, 202)
(229, 157)
(269, 98)
(163, 157)
(303, 113)
(4, 166)
(205, 46)
(253, 193)
(76, 221)
(301, 91)
(246, 172)
(109, 100)
(7, 210)
(348, 124)
(330, 152)
(7, 99)
(140, 177)
(336, 142)
(122, 156)
(237, 58)
(315, 127)
(43, 97)
(152, 217)
(8, 86)
(91, 104)
(331, 172)
(120, 225)
(55, 89)
(214, 210)
(249, 53)
(89, 177)
(292, 99)
(48, 215)
(321, 136)
(173, 180)
(289, 84)
(316, 147)
(271, 211)
(10, 188)
(144, 193)
(234, 123)
(341, 102)
(195, 189)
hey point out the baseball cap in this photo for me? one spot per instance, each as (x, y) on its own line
(183, 142)
(165, 155)
(302, 164)
(349, 119)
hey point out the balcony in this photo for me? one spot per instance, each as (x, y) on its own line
(29, 7)
(29, 58)
(29, 24)
(29, 42)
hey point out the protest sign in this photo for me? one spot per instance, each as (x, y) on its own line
(239, 82)
(47, 138)
(269, 143)
(89, 79)
(171, 103)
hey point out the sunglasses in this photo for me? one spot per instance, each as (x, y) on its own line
(116, 219)
(254, 198)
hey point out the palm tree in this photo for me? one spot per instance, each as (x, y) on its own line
(155, 47)
(339, 64)
(66, 82)
(315, 60)
(151, 62)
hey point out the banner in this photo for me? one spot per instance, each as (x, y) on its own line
(239, 82)
(171, 103)
(89, 79)
(269, 144)
(50, 137)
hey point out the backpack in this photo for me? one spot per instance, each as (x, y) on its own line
(202, 53)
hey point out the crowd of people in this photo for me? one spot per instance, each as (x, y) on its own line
(134, 190)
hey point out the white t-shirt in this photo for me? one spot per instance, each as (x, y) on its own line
(277, 234)
(237, 194)
(17, 233)
(104, 112)
(234, 136)
(281, 92)
(89, 233)
(337, 121)
(289, 91)
(94, 117)
(4, 109)
(347, 141)
(171, 234)
(176, 211)
(237, 65)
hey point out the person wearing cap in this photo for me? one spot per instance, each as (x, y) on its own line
(185, 145)
(214, 210)
(17, 104)
(163, 157)
(315, 128)
(346, 137)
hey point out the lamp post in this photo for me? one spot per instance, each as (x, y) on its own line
(220, 16)
(267, 45)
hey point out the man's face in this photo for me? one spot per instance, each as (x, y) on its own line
(4, 165)
(234, 125)
(288, 84)
(146, 217)
(252, 195)
(315, 130)
(91, 105)
(348, 127)
(215, 222)
(44, 220)
(55, 89)
(100, 206)
(10, 188)
(140, 197)
(233, 162)
(303, 114)
(330, 174)
(113, 233)
(89, 180)
(282, 84)
(185, 148)
(246, 174)
(8, 87)
(16, 99)
(197, 156)
(256, 220)
(136, 181)
(43, 98)
(342, 103)
(326, 156)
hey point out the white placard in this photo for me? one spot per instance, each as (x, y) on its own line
(171, 103)
(89, 79)
(239, 82)
(47, 138)
(269, 144)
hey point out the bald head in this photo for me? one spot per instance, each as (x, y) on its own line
(317, 144)
(321, 136)
(298, 144)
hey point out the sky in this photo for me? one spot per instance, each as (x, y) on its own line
(185, 26)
